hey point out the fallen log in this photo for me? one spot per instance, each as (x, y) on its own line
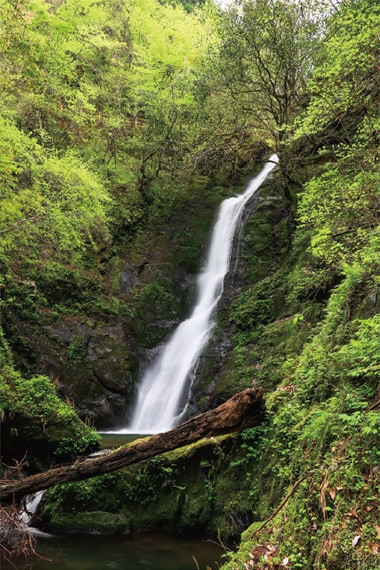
(243, 410)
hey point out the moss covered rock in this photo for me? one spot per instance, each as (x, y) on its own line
(37, 426)
(203, 488)
(92, 522)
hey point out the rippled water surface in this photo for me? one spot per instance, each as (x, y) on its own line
(138, 552)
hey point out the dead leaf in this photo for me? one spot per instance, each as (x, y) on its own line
(378, 530)
(356, 539)
(285, 562)
(327, 546)
(332, 493)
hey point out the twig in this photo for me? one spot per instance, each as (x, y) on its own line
(373, 406)
(283, 502)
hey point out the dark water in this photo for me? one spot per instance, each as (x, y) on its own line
(110, 440)
(139, 552)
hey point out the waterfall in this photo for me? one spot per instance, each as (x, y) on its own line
(161, 399)
(30, 507)
(28, 510)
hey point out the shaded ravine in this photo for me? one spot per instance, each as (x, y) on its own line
(163, 393)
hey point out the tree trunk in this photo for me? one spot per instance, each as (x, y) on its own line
(243, 410)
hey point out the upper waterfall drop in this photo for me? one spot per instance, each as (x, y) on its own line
(164, 385)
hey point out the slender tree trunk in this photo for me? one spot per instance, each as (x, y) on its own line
(242, 410)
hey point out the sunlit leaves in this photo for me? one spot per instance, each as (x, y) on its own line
(47, 203)
(341, 205)
(347, 74)
(77, 202)
(267, 50)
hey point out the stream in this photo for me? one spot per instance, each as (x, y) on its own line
(151, 551)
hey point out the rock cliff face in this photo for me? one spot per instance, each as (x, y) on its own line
(92, 331)
(93, 364)
(92, 355)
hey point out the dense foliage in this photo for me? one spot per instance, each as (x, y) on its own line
(322, 446)
(115, 121)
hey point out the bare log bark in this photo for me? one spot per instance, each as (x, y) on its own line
(242, 410)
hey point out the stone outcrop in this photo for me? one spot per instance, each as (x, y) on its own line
(92, 364)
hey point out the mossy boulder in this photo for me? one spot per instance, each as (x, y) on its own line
(38, 428)
(91, 362)
(92, 522)
(203, 488)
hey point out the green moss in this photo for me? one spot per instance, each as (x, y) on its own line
(268, 234)
(199, 488)
(92, 522)
(37, 423)
(320, 446)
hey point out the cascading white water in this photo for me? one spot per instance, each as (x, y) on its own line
(30, 507)
(27, 512)
(165, 383)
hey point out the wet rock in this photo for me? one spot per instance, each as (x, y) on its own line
(128, 280)
(94, 522)
(92, 365)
